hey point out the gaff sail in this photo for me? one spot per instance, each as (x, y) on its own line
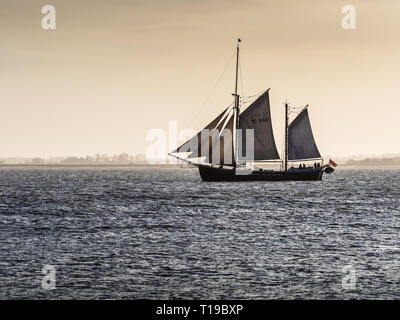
(258, 117)
(301, 143)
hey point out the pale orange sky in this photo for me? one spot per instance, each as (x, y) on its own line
(112, 70)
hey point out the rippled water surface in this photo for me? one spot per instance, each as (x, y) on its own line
(162, 233)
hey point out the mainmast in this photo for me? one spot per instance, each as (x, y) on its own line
(236, 107)
(286, 134)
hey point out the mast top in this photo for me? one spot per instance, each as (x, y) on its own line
(236, 77)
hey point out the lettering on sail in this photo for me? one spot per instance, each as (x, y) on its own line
(259, 117)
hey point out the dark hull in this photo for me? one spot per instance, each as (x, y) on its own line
(208, 173)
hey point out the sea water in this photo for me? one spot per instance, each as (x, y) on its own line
(155, 233)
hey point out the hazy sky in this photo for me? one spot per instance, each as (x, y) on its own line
(112, 70)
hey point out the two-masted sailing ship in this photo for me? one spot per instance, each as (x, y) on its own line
(230, 145)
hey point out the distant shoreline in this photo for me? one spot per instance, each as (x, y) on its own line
(88, 165)
(369, 166)
(109, 165)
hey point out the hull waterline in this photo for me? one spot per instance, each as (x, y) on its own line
(208, 173)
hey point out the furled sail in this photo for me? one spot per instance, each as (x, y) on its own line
(199, 141)
(301, 143)
(258, 117)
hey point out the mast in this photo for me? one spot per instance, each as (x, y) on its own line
(286, 134)
(236, 107)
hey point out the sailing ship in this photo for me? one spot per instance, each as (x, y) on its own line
(230, 145)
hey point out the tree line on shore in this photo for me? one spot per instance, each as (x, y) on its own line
(375, 161)
(122, 158)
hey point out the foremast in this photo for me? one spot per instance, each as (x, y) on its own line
(286, 135)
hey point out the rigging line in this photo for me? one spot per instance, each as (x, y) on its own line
(255, 95)
(212, 91)
(241, 75)
(247, 101)
(248, 98)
